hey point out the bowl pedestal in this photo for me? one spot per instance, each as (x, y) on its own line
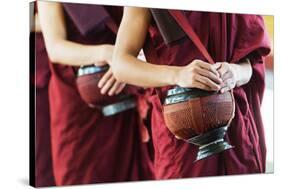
(210, 143)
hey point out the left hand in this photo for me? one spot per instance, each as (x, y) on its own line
(228, 74)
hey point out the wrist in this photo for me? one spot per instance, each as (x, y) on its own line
(101, 53)
(107, 53)
(174, 75)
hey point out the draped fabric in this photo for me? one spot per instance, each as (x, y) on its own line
(86, 146)
(43, 160)
(228, 38)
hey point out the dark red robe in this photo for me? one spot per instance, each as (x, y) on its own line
(43, 160)
(86, 146)
(229, 38)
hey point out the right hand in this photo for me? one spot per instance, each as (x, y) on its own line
(199, 74)
(108, 84)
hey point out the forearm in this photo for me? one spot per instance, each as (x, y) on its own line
(131, 70)
(60, 49)
(75, 54)
(126, 67)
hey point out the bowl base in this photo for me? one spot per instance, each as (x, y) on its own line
(210, 143)
(118, 107)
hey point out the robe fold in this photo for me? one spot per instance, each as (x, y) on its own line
(43, 160)
(228, 38)
(86, 146)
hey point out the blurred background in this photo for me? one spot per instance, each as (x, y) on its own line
(267, 104)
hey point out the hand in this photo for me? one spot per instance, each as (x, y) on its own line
(199, 74)
(228, 74)
(108, 84)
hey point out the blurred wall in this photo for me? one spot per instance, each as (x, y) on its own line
(269, 23)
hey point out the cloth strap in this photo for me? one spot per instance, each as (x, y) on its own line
(185, 25)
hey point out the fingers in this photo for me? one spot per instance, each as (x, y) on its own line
(105, 78)
(225, 89)
(227, 75)
(208, 82)
(116, 88)
(216, 66)
(208, 67)
(228, 85)
(107, 85)
(202, 86)
(222, 69)
(210, 75)
(216, 77)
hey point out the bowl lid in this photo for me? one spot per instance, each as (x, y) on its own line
(179, 94)
(86, 70)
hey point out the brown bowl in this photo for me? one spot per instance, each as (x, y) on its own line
(199, 117)
(87, 84)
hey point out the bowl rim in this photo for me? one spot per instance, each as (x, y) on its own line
(87, 70)
(180, 94)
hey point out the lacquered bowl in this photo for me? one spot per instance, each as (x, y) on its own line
(87, 83)
(200, 118)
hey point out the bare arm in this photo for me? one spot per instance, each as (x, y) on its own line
(130, 40)
(62, 51)
(127, 68)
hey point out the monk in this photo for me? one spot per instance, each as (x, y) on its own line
(88, 147)
(43, 160)
(238, 44)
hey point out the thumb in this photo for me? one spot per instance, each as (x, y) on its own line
(216, 65)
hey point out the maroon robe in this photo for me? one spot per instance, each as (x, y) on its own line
(86, 146)
(229, 38)
(43, 160)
